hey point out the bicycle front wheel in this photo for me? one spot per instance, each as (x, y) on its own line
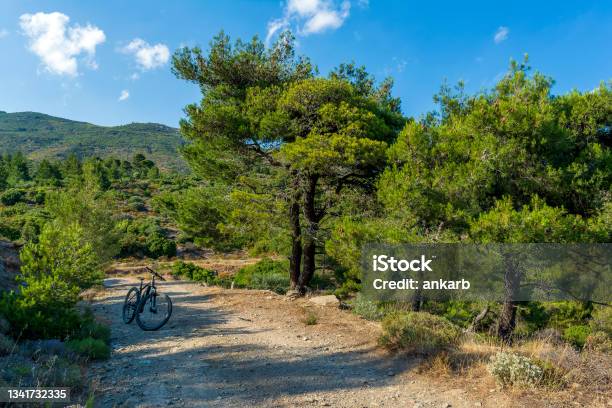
(154, 311)
(132, 299)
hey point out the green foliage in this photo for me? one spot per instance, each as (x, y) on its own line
(93, 213)
(602, 320)
(12, 196)
(90, 328)
(256, 220)
(15, 168)
(53, 272)
(90, 348)
(577, 335)
(564, 314)
(200, 214)
(536, 222)
(48, 312)
(46, 137)
(496, 150)
(48, 173)
(265, 274)
(311, 319)
(64, 253)
(158, 245)
(367, 309)
(272, 131)
(460, 313)
(95, 175)
(194, 272)
(348, 287)
(144, 237)
(418, 332)
(9, 231)
(136, 203)
(510, 369)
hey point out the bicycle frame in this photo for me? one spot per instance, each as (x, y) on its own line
(146, 290)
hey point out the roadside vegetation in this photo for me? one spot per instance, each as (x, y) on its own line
(302, 170)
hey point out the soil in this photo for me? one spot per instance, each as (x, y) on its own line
(245, 348)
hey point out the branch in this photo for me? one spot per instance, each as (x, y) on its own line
(551, 287)
(255, 147)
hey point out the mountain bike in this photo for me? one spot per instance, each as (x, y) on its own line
(150, 308)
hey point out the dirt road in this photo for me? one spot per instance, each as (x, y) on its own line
(239, 348)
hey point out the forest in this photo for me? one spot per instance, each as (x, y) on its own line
(302, 170)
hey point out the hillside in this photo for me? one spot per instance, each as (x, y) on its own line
(42, 136)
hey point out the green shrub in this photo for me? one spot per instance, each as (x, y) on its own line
(12, 196)
(367, 309)
(311, 319)
(512, 369)
(53, 271)
(182, 269)
(577, 335)
(203, 275)
(39, 196)
(158, 245)
(348, 287)
(418, 332)
(565, 314)
(602, 320)
(46, 310)
(9, 231)
(95, 330)
(144, 237)
(265, 274)
(93, 349)
(194, 272)
(136, 203)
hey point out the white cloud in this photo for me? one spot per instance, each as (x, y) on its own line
(310, 17)
(3, 33)
(148, 56)
(400, 65)
(124, 95)
(57, 44)
(501, 34)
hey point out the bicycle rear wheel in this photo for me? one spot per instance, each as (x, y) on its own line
(132, 299)
(154, 311)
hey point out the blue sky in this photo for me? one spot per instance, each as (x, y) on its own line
(107, 62)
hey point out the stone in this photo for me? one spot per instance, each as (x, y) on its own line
(328, 300)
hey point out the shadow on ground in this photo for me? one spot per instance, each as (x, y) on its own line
(206, 356)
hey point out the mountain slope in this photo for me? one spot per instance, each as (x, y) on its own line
(42, 136)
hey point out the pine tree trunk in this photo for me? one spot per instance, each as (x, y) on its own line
(312, 223)
(507, 318)
(296, 244)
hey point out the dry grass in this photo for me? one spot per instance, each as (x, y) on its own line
(472, 354)
(570, 377)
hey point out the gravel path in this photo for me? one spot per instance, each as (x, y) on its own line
(239, 348)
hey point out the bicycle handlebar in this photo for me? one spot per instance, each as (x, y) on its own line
(155, 273)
